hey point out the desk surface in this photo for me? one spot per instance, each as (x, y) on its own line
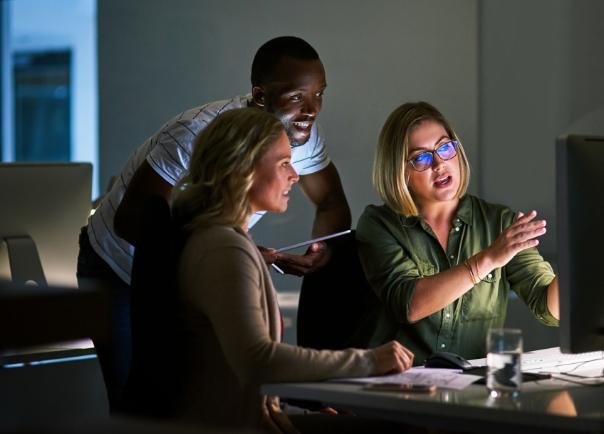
(548, 406)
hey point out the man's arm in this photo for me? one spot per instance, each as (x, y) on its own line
(324, 189)
(144, 183)
(332, 214)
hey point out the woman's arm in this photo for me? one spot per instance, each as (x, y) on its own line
(408, 288)
(230, 293)
(435, 292)
(553, 298)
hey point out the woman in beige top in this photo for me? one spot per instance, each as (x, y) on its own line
(240, 165)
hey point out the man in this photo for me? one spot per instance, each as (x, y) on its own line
(288, 80)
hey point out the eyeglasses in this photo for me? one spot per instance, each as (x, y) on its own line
(423, 161)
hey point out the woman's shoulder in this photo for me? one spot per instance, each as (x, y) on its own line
(376, 219)
(383, 214)
(377, 212)
(215, 237)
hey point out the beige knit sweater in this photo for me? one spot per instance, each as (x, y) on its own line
(233, 333)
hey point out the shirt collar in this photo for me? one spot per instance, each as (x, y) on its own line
(464, 213)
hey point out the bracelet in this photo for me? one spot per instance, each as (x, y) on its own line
(466, 264)
(476, 267)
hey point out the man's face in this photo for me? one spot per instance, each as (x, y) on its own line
(294, 95)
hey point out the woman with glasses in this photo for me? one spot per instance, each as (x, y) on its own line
(442, 261)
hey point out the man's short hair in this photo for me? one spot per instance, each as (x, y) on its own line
(268, 56)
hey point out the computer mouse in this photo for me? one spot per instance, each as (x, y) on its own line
(444, 359)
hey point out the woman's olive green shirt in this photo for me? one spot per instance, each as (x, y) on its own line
(397, 251)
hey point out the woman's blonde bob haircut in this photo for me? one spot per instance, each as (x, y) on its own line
(390, 166)
(215, 189)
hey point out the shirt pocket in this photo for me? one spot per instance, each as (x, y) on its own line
(480, 303)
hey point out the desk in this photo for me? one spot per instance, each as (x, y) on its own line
(548, 406)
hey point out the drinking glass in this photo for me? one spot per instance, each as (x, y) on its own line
(504, 353)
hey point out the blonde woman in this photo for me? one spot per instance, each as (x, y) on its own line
(241, 164)
(442, 261)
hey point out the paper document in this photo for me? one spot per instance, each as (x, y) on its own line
(442, 378)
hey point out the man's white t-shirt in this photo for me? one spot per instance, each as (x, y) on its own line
(168, 152)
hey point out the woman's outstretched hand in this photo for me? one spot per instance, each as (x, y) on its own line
(519, 236)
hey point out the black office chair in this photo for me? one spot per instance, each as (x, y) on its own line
(154, 379)
(336, 302)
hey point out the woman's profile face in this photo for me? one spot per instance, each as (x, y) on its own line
(440, 181)
(273, 177)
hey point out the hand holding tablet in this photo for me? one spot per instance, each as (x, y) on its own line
(306, 243)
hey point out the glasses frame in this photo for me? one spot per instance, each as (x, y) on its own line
(433, 153)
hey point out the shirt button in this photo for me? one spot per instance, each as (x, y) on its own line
(456, 228)
(442, 345)
(448, 315)
(452, 256)
(490, 276)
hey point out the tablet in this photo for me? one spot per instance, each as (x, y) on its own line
(315, 240)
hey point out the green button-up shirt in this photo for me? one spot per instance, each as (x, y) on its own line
(397, 251)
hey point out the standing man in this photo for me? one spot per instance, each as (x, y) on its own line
(288, 80)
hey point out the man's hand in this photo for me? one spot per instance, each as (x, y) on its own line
(317, 255)
(269, 255)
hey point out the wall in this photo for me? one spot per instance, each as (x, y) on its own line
(541, 76)
(157, 60)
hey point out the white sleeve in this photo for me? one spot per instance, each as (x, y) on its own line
(169, 156)
(312, 156)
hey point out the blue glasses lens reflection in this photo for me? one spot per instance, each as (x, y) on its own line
(423, 161)
(446, 151)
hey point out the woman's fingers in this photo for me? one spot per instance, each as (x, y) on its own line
(404, 357)
(408, 357)
(520, 235)
(267, 421)
(522, 221)
(529, 231)
(525, 227)
(406, 362)
(392, 357)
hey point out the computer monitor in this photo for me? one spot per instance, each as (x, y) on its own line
(43, 207)
(580, 222)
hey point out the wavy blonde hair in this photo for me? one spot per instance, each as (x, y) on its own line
(221, 170)
(390, 169)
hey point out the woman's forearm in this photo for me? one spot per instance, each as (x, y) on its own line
(433, 293)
